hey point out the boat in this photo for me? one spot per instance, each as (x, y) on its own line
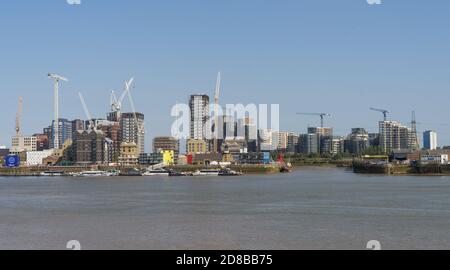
(53, 173)
(95, 174)
(207, 172)
(180, 174)
(156, 172)
(229, 172)
(286, 169)
(132, 172)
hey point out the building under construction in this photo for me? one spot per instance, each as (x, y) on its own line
(396, 136)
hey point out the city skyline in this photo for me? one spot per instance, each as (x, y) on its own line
(297, 60)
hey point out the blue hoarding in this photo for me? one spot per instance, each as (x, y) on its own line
(12, 161)
(266, 158)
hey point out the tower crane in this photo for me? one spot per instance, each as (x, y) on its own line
(383, 111)
(116, 103)
(92, 125)
(321, 115)
(416, 145)
(19, 116)
(56, 79)
(140, 126)
(216, 113)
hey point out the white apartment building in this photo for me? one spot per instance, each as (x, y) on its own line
(283, 140)
(199, 106)
(35, 158)
(395, 136)
(434, 158)
(23, 144)
(430, 140)
(268, 140)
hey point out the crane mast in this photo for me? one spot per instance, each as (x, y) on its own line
(56, 79)
(19, 116)
(92, 125)
(216, 113)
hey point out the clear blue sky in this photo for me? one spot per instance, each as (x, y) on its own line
(340, 57)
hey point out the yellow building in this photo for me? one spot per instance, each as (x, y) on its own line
(168, 157)
(59, 155)
(196, 146)
(227, 157)
(129, 154)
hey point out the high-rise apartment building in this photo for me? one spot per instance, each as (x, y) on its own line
(283, 141)
(395, 136)
(112, 134)
(325, 136)
(357, 141)
(77, 125)
(293, 143)
(374, 139)
(323, 131)
(310, 143)
(268, 140)
(133, 130)
(337, 145)
(199, 105)
(65, 132)
(251, 134)
(430, 140)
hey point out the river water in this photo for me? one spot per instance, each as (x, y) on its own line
(312, 208)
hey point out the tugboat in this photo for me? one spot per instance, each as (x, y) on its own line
(229, 172)
(53, 173)
(284, 167)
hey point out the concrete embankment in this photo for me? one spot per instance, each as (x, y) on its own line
(324, 163)
(400, 169)
(368, 168)
(36, 171)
